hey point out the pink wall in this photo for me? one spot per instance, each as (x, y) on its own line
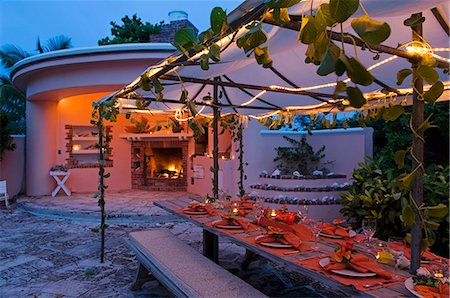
(345, 147)
(41, 146)
(12, 167)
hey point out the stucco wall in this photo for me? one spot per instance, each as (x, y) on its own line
(12, 167)
(344, 147)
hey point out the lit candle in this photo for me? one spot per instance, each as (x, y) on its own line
(273, 213)
(235, 211)
(223, 157)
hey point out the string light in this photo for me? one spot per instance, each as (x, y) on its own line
(254, 98)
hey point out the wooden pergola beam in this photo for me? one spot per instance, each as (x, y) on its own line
(439, 15)
(348, 39)
(244, 86)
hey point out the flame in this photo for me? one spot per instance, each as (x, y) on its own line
(172, 168)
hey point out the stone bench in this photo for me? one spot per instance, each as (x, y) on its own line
(181, 269)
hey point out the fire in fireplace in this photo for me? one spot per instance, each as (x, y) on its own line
(163, 163)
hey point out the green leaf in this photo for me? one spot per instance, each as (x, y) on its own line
(218, 19)
(408, 216)
(340, 87)
(434, 92)
(214, 52)
(329, 61)
(316, 50)
(157, 85)
(205, 36)
(184, 95)
(308, 30)
(324, 13)
(262, 57)
(438, 211)
(432, 225)
(404, 181)
(191, 106)
(356, 97)
(252, 39)
(392, 113)
(428, 74)
(371, 31)
(425, 125)
(358, 73)
(184, 39)
(402, 75)
(281, 15)
(399, 158)
(341, 10)
(107, 175)
(204, 62)
(127, 116)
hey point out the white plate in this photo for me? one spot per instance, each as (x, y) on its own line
(409, 284)
(195, 212)
(351, 234)
(226, 227)
(273, 244)
(345, 272)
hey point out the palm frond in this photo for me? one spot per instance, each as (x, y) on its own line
(11, 54)
(59, 42)
(12, 100)
(39, 47)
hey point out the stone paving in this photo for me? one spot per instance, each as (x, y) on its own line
(41, 256)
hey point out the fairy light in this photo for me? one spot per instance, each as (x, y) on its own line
(253, 98)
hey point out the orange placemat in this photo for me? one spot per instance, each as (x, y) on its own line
(357, 282)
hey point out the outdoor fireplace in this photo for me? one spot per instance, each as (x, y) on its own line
(159, 164)
(163, 163)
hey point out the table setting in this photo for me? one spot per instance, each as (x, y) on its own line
(334, 249)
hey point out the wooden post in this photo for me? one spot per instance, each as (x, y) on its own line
(216, 140)
(417, 149)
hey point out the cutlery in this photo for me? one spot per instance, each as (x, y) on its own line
(378, 283)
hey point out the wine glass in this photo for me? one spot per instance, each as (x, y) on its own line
(369, 227)
(396, 247)
(316, 228)
(302, 212)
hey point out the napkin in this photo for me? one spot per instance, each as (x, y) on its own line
(300, 230)
(288, 238)
(426, 255)
(360, 263)
(331, 229)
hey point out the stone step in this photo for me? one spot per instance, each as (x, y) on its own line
(328, 181)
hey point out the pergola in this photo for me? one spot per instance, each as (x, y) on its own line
(238, 85)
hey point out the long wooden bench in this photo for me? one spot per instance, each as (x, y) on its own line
(181, 269)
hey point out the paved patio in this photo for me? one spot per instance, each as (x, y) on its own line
(129, 206)
(47, 251)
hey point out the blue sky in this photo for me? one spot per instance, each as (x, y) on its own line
(22, 21)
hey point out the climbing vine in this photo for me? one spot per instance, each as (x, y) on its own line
(103, 111)
(235, 124)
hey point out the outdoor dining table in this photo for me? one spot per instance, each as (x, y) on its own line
(300, 262)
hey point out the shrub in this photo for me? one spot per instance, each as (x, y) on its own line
(375, 195)
(301, 157)
(6, 141)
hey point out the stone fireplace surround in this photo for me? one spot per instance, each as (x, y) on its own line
(138, 179)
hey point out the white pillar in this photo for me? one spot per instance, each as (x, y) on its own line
(41, 146)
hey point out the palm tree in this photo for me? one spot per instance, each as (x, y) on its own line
(13, 100)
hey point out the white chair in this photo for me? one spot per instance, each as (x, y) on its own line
(4, 192)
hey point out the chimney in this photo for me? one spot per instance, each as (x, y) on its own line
(177, 15)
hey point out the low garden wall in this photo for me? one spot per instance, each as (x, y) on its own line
(12, 167)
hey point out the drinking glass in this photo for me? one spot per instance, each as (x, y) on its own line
(302, 212)
(369, 227)
(396, 247)
(316, 228)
